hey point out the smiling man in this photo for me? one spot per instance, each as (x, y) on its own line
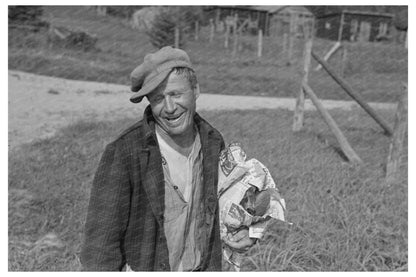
(153, 203)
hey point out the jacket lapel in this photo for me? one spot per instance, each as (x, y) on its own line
(151, 169)
(211, 145)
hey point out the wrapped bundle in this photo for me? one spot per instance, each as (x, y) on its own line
(248, 197)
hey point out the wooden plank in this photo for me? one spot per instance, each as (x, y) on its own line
(398, 139)
(300, 100)
(345, 146)
(355, 95)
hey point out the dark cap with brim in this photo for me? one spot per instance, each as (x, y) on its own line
(155, 68)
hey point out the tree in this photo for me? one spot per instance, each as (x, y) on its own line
(162, 32)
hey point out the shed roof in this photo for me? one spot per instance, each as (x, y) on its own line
(281, 8)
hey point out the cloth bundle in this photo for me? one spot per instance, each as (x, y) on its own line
(248, 197)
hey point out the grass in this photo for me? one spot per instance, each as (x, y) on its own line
(376, 70)
(344, 218)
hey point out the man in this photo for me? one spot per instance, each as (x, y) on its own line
(153, 203)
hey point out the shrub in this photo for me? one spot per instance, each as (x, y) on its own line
(27, 15)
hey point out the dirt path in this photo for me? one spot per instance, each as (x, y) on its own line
(40, 105)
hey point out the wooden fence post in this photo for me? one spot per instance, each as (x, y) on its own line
(260, 43)
(405, 42)
(196, 30)
(101, 10)
(344, 60)
(397, 140)
(176, 37)
(355, 95)
(227, 35)
(236, 34)
(291, 38)
(211, 33)
(284, 44)
(300, 100)
(345, 146)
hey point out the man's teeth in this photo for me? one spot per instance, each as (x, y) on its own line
(173, 118)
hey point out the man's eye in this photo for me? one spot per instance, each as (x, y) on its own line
(157, 99)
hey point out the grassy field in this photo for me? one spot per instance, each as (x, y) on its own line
(376, 70)
(344, 218)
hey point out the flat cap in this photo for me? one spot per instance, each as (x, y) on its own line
(155, 68)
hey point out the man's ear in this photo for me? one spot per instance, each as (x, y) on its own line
(196, 91)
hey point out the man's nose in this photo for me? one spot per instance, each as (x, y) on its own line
(169, 105)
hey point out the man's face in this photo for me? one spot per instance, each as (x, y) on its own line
(173, 105)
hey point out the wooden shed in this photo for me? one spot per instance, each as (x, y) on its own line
(270, 19)
(354, 25)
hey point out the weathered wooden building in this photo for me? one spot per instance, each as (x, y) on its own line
(354, 25)
(272, 20)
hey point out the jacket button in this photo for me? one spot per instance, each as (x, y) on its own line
(162, 266)
(162, 217)
(175, 187)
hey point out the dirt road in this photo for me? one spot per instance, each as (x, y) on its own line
(40, 105)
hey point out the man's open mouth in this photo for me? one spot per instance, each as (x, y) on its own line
(174, 118)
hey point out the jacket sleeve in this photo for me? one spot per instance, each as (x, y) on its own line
(108, 212)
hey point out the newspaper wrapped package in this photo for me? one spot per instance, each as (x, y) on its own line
(248, 197)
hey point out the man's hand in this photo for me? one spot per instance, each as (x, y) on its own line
(239, 242)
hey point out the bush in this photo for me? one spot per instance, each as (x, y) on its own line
(27, 15)
(162, 32)
(73, 39)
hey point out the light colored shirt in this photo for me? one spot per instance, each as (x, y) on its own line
(183, 184)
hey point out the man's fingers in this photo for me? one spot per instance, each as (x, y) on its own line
(239, 236)
(240, 246)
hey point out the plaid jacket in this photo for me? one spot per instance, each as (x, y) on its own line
(125, 214)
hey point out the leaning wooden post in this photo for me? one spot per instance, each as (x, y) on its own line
(355, 95)
(211, 33)
(300, 100)
(196, 30)
(176, 37)
(341, 27)
(345, 146)
(397, 140)
(260, 43)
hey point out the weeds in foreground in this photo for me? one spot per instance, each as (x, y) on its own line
(344, 218)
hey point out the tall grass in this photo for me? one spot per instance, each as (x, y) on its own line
(374, 69)
(344, 218)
